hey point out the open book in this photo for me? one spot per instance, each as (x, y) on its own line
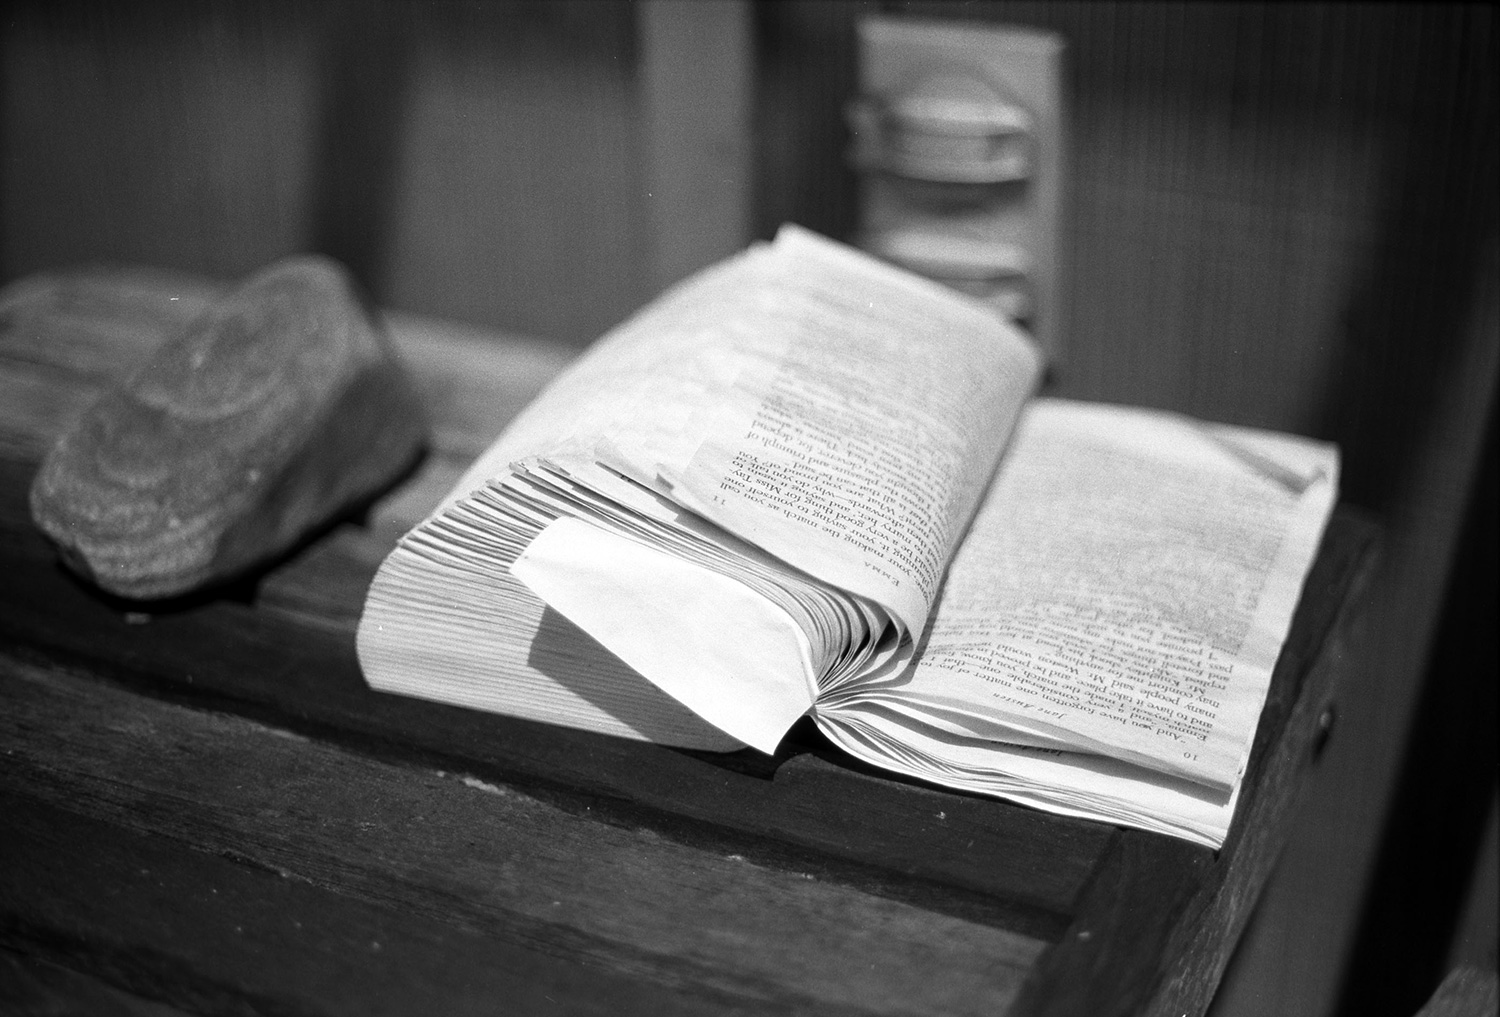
(806, 482)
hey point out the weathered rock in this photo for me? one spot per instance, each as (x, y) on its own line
(282, 405)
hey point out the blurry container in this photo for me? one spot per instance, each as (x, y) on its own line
(957, 135)
(992, 271)
(952, 128)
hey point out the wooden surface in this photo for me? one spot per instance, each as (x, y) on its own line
(206, 810)
(1466, 992)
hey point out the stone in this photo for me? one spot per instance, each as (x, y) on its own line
(278, 409)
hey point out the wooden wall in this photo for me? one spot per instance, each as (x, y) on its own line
(155, 135)
(477, 161)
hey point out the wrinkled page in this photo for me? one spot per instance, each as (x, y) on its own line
(887, 400)
(1125, 590)
(637, 385)
(859, 453)
(1070, 783)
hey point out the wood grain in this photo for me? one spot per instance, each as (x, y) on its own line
(30, 987)
(454, 848)
(215, 934)
(1466, 992)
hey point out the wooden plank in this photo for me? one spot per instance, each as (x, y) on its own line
(212, 933)
(1294, 707)
(36, 988)
(454, 848)
(1466, 992)
(34, 409)
(473, 381)
(98, 320)
(1027, 860)
(65, 336)
(960, 854)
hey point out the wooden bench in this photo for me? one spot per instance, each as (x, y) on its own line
(206, 810)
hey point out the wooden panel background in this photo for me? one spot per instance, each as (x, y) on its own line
(1280, 215)
(477, 161)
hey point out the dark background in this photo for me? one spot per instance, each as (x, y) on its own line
(1280, 215)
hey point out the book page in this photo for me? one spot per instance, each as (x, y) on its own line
(1070, 783)
(859, 453)
(1125, 589)
(637, 384)
(445, 620)
(891, 395)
